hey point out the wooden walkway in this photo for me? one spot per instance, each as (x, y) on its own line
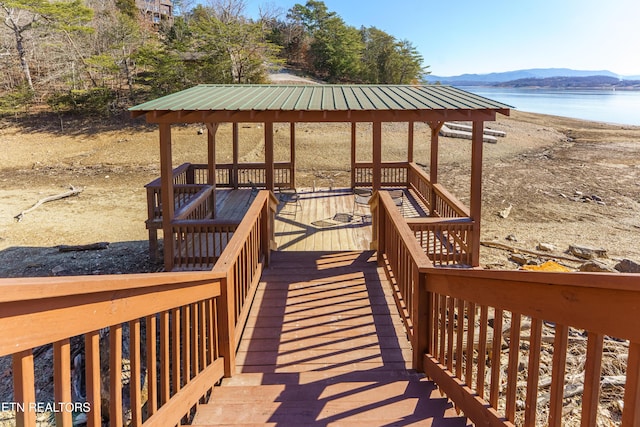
(324, 346)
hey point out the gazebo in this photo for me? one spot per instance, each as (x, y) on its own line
(188, 192)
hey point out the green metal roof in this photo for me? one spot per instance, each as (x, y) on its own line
(319, 98)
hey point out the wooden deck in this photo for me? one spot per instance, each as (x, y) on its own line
(323, 220)
(324, 345)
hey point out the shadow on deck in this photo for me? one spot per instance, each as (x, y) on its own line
(324, 345)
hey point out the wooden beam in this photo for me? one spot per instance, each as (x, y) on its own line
(377, 155)
(224, 116)
(166, 188)
(268, 155)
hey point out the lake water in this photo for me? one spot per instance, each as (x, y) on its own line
(609, 106)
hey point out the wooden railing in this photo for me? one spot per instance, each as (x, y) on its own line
(244, 175)
(445, 240)
(95, 314)
(180, 332)
(391, 174)
(498, 342)
(243, 259)
(200, 243)
(438, 200)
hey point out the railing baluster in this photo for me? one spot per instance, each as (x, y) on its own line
(533, 372)
(631, 414)
(135, 386)
(115, 375)
(443, 328)
(92, 375)
(165, 363)
(195, 342)
(185, 339)
(62, 379)
(557, 375)
(460, 337)
(435, 328)
(152, 355)
(471, 329)
(175, 349)
(202, 328)
(450, 320)
(482, 350)
(592, 370)
(24, 387)
(512, 367)
(496, 350)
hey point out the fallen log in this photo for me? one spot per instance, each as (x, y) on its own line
(78, 248)
(72, 192)
(513, 249)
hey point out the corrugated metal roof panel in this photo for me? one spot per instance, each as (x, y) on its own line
(319, 98)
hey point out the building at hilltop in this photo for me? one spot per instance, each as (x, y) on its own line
(156, 11)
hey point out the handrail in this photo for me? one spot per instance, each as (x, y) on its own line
(391, 174)
(181, 328)
(251, 242)
(446, 241)
(435, 196)
(466, 328)
(402, 256)
(200, 200)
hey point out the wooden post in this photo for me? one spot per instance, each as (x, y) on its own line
(410, 143)
(211, 174)
(377, 155)
(379, 220)
(421, 315)
(234, 172)
(166, 190)
(477, 134)
(292, 151)
(227, 324)
(268, 155)
(266, 231)
(433, 167)
(353, 154)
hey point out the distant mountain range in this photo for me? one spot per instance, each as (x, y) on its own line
(531, 75)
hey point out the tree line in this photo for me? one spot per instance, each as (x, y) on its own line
(99, 56)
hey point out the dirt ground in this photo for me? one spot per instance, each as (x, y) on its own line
(547, 169)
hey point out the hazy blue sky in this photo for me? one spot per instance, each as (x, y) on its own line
(470, 36)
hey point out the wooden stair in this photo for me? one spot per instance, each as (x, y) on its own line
(324, 346)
